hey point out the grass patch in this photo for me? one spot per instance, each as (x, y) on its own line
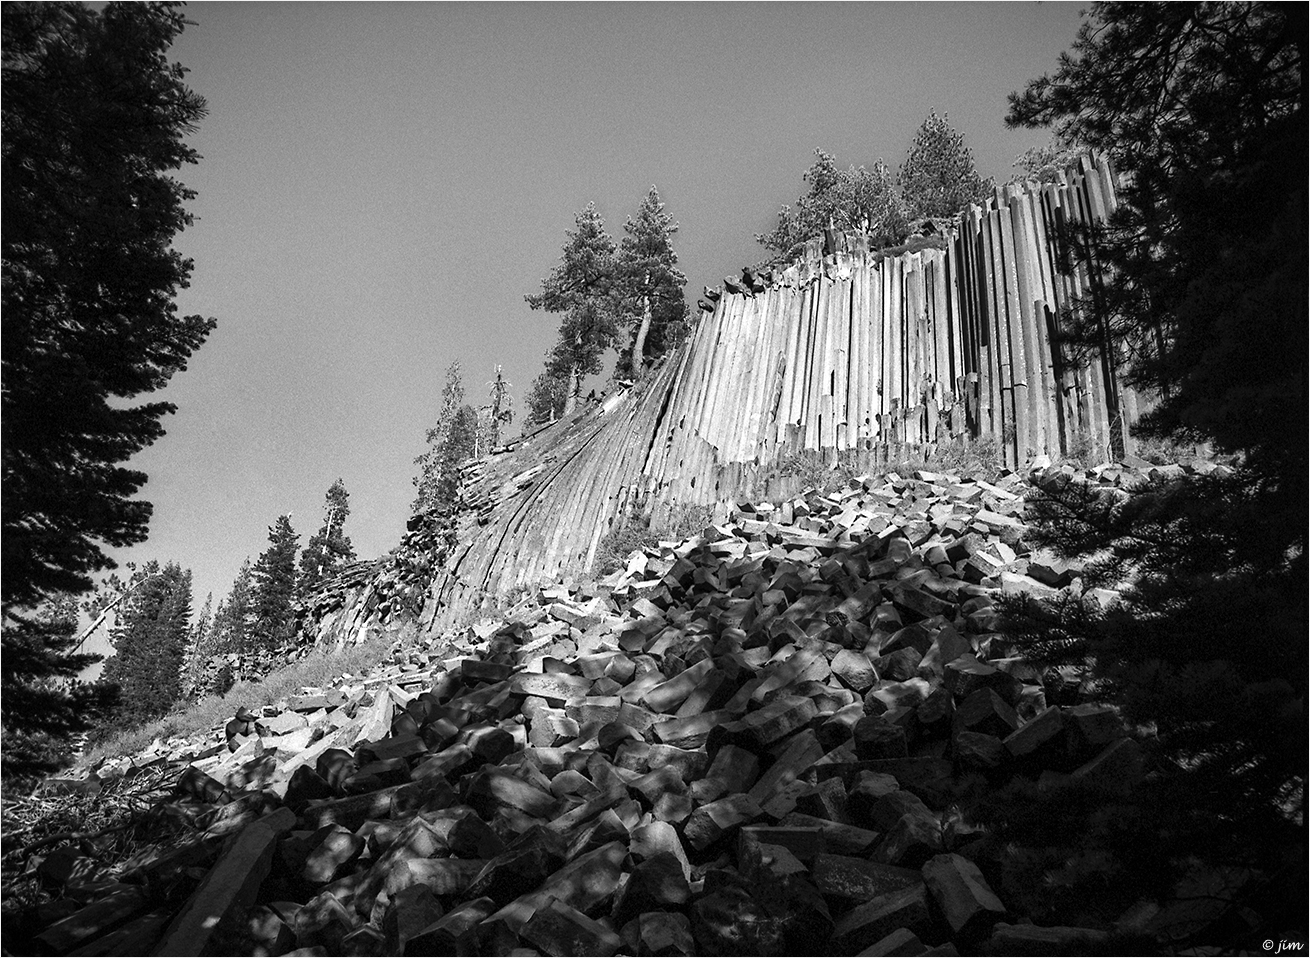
(809, 469)
(1167, 450)
(1083, 453)
(632, 532)
(318, 669)
(969, 459)
(686, 520)
(635, 531)
(832, 472)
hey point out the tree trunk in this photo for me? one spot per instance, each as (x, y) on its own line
(575, 387)
(639, 344)
(104, 613)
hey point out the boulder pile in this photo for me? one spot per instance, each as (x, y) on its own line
(751, 742)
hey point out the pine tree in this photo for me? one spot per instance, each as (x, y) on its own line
(42, 702)
(450, 442)
(550, 392)
(274, 585)
(94, 119)
(234, 619)
(329, 548)
(150, 643)
(499, 413)
(649, 285)
(850, 200)
(198, 651)
(581, 287)
(1202, 107)
(1045, 163)
(938, 176)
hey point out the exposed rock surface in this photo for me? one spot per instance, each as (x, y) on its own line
(749, 743)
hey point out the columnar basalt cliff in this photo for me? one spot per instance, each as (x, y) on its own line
(848, 351)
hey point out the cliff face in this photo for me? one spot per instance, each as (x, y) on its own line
(848, 351)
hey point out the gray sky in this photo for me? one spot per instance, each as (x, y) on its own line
(381, 185)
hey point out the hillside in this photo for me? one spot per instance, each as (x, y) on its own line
(778, 733)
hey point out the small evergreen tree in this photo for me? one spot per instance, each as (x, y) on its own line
(938, 176)
(1045, 163)
(274, 585)
(581, 287)
(199, 649)
(329, 548)
(234, 619)
(495, 415)
(150, 643)
(550, 392)
(450, 442)
(850, 200)
(649, 285)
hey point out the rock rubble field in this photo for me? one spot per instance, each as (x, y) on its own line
(755, 741)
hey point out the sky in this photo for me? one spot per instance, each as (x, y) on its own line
(382, 184)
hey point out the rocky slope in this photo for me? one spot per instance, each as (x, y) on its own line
(762, 740)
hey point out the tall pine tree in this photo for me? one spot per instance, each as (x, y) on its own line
(329, 548)
(649, 286)
(274, 586)
(94, 120)
(150, 644)
(938, 177)
(1203, 107)
(581, 287)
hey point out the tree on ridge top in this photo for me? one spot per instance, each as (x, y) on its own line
(449, 443)
(582, 287)
(329, 548)
(854, 199)
(649, 284)
(938, 177)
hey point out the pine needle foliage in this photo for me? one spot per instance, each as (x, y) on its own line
(582, 287)
(273, 587)
(328, 549)
(851, 200)
(449, 443)
(1201, 108)
(150, 644)
(938, 177)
